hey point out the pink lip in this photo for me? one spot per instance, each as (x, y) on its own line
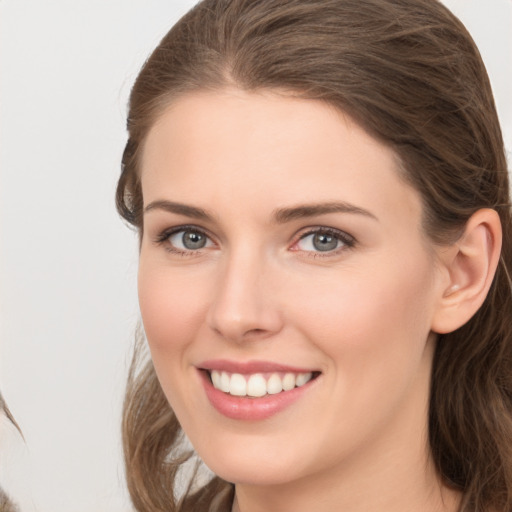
(224, 365)
(248, 408)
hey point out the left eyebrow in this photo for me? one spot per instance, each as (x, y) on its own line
(283, 215)
(179, 209)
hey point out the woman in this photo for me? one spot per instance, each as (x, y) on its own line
(321, 193)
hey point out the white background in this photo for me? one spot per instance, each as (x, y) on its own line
(68, 265)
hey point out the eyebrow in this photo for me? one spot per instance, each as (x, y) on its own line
(283, 215)
(280, 216)
(179, 209)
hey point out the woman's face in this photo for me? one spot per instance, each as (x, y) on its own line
(283, 257)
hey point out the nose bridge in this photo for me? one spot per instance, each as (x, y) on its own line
(243, 306)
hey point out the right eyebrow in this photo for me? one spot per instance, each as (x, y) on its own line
(179, 209)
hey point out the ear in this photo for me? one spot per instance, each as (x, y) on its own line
(468, 268)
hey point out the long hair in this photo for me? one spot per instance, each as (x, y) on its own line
(6, 505)
(409, 73)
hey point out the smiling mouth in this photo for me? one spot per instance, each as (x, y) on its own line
(258, 384)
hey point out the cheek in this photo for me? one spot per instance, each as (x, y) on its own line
(171, 306)
(372, 322)
(373, 327)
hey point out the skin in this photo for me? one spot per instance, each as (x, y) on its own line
(363, 315)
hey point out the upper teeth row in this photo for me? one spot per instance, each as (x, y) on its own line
(256, 384)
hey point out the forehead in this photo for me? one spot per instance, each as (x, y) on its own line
(268, 150)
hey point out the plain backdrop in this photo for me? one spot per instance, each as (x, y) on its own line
(68, 305)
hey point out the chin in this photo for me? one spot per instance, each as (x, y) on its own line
(244, 460)
(254, 473)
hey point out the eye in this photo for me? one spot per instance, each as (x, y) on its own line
(324, 240)
(185, 240)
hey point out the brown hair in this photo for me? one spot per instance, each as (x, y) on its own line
(6, 505)
(410, 74)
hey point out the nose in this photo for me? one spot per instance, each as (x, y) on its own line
(244, 305)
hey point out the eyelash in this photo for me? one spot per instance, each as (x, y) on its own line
(348, 241)
(164, 236)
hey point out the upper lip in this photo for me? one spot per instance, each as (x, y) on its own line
(249, 367)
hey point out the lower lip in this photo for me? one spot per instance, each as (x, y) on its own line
(247, 408)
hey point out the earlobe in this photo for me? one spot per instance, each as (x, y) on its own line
(470, 264)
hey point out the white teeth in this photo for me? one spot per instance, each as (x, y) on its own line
(224, 382)
(274, 384)
(256, 385)
(289, 381)
(216, 379)
(237, 385)
(302, 379)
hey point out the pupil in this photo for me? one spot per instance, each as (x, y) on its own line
(193, 240)
(323, 242)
